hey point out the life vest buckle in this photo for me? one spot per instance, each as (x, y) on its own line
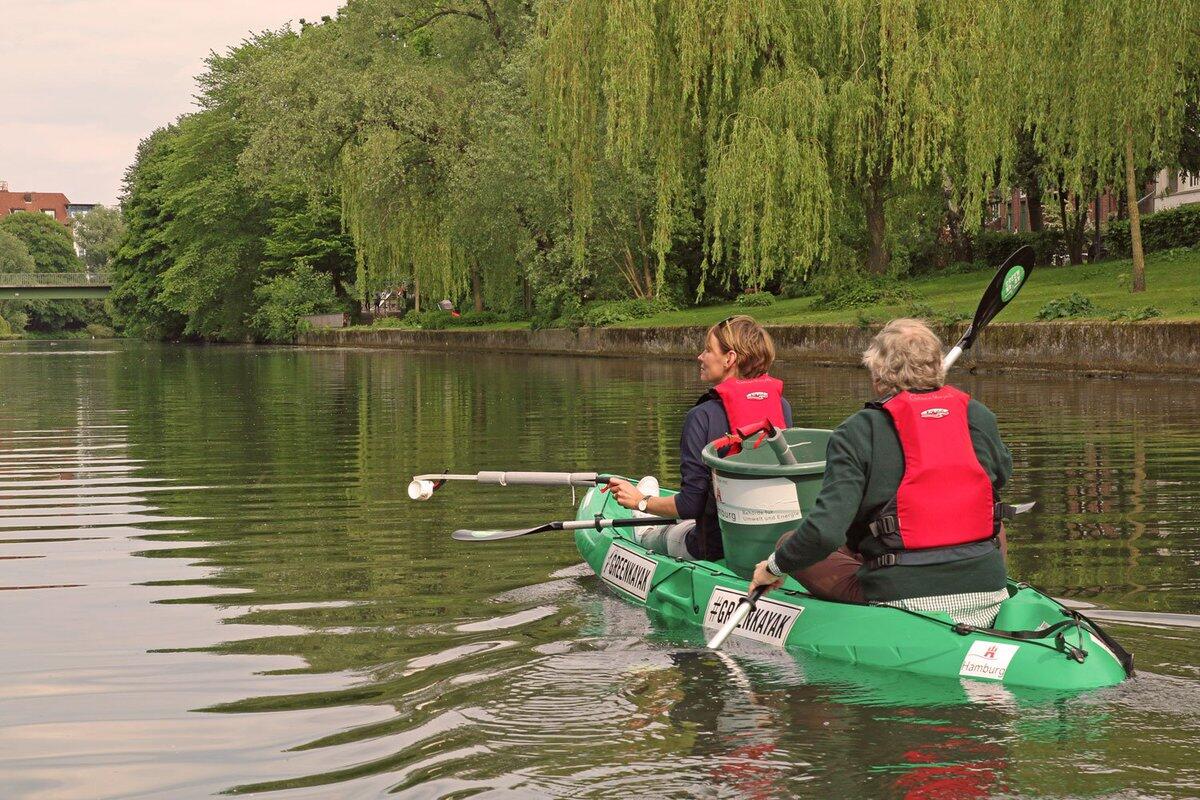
(885, 560)
(884, 525)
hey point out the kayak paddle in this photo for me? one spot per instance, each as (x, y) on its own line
(744, 607)
(567, 525)
(422, 487)
(1007, 281)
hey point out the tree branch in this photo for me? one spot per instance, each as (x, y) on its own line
(445, 12)
(494, 24)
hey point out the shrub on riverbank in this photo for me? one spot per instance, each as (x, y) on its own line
(614, 311)
(1175, 227)
(855, 290)
(992, 247)
(1074, 305)
(756, 300)
(285, 298)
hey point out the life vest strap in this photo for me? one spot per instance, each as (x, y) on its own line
(934, 555)
(886, 526)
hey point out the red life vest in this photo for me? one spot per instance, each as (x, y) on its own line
(945, 498)
(748, 400)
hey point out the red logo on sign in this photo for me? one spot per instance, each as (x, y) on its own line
(990, 652)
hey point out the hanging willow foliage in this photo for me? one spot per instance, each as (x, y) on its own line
(1106, 63)
(397, 223)
(774, 103)
(768, 186)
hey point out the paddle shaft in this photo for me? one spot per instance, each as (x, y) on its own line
(422, 487)
(463, 535)
(632, 522)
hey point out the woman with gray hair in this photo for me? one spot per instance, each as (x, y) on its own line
(908, 514)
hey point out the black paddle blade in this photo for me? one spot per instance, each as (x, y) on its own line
(495, 536)
(1005, 284)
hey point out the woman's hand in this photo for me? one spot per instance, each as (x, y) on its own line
(624, 492)
(764, 577)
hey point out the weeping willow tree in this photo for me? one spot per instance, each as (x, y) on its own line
(781, 107)
(392, 179)
(1109, 90)
(377, 108)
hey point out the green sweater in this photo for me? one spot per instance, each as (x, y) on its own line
(863, 468)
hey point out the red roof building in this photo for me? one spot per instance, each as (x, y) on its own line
(52, 204)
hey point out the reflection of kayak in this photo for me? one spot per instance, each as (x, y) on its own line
(1036, 641)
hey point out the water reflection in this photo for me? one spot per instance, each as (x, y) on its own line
(246, 600)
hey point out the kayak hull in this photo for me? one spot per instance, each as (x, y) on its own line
(704, 594)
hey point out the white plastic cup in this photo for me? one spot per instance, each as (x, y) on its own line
(420, 490)
(649, 487)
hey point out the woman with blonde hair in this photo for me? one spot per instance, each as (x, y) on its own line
(737, 354)
(909, 512)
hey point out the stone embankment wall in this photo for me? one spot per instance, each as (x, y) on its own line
(1086, 347)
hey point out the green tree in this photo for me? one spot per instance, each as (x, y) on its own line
(283, 299)
(49, 244)
(1102, 126)
(144, 252)
(14, 258)
(14, 255)
(97, 234)
(417, 117)
(202, 236)
(788, 112)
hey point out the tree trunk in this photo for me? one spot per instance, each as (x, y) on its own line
(1077, 233)
(417, 294)
(475, 290)
(526, 295)
(877, 253)
(1062, 212)
(1097, 243)
(960, 243)
(1033, 196)
(1135, 217)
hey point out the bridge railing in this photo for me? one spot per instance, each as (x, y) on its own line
(32, 280)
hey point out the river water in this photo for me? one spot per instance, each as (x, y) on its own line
(213, 581)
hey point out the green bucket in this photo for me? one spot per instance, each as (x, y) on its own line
(759, 499)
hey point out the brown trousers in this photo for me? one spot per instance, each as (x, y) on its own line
(836, 578)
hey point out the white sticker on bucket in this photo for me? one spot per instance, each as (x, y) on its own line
(628, 571)
(988, 660)
(756, 501)
(770, 622)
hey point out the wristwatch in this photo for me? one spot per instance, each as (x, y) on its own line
(641, 505)
(772, 567)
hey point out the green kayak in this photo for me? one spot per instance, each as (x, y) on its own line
(1035, 642)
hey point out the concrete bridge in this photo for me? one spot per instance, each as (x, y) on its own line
(55, 285)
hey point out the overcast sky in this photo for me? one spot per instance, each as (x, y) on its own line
(85, 80)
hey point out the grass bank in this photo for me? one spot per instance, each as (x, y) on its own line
(1172, 288)
(1172, 280)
